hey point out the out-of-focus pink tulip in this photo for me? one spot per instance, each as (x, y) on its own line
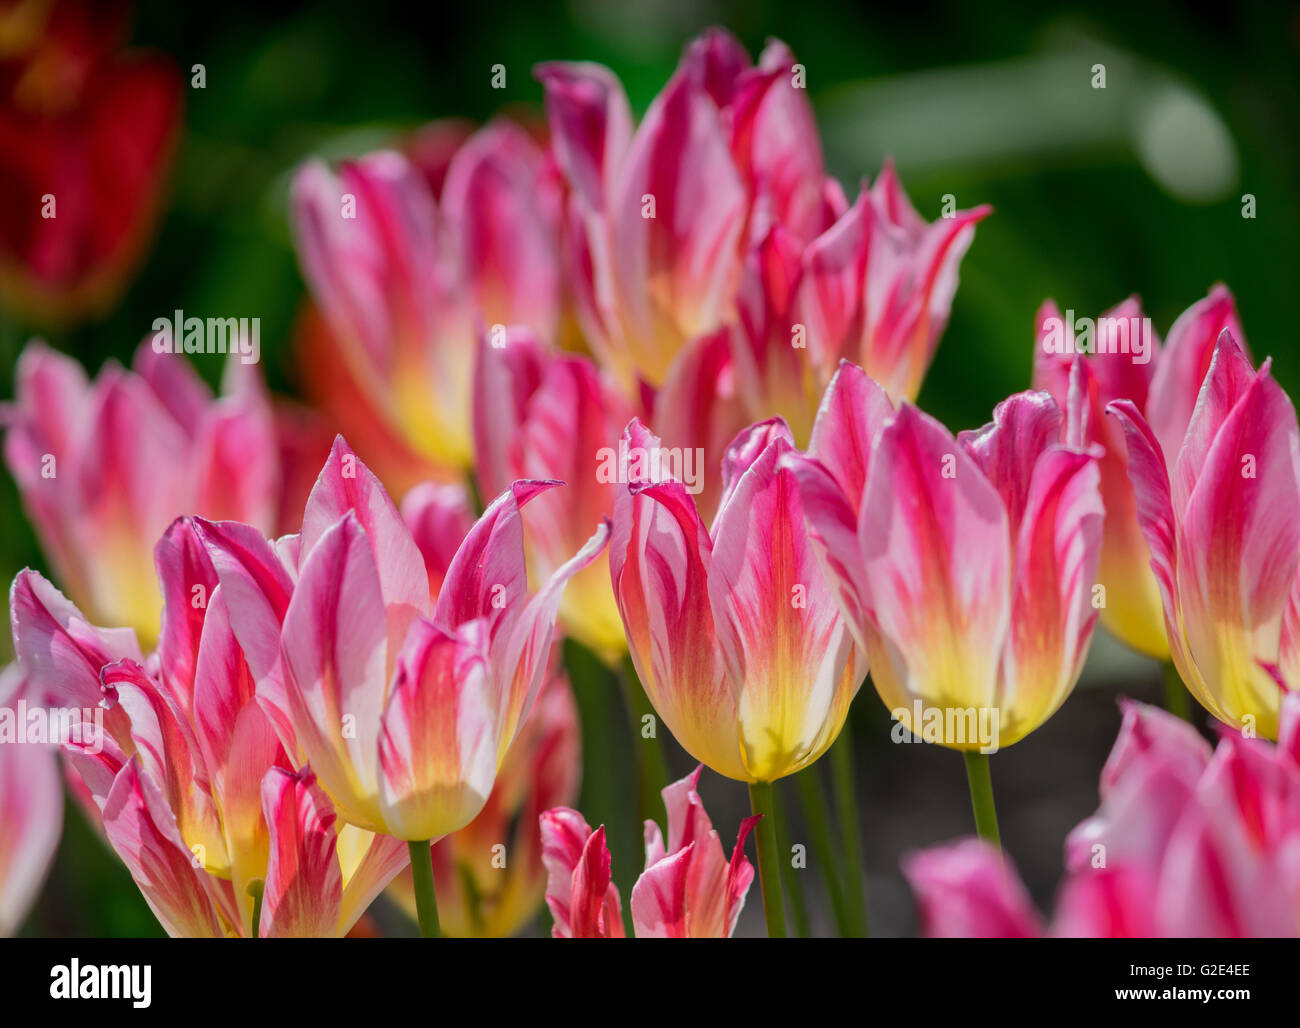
(965, 565)
(688, 890)
(1124, 360)
(31, 807)
(402, 276)
(543, 416)
(189, 783)
(877, 286)
(405, 705)
(1186, 843)
(658, 219)
(1218, 517)
(733, 631)
(105, 466)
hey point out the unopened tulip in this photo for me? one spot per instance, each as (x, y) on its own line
(689, 889)
(104, 467)
(31, 807)
(964, 565)
(401, 277)
(187, 778)
(1186, 843)
(1218, 516)
(1122, 359)
(734, 632)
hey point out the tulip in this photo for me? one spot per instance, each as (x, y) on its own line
(87, 133)
(733, 631)
(542, 416)
(1187, 842)
(657, 218)
(877, 286)
(963, 566)
(688, 890)
(404, 705)
(187, 780)
(1224, 544)
(1125, 361)
(31, 810)
(103, 467)
(401, 274)
(489, 875)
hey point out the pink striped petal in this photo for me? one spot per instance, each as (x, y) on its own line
(335, 649)
(674, 273)
(1239, 546)
(162, 867)
(505, 378)
(345, 484)
(659, 562)
(188, 581)
(169, 757)
(508, 251)
(438, 737)
(1184, 364)
(303, 890)
(781, 635)
(938, 561)
(591, 125)
(580, 892)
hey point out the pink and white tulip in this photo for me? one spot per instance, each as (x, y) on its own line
(733, 630)
(1218, 517)
(403, 703)
(1163, 384)
(554, 416)
(658, 218)
(689, 889)
(187, 780)
(103, 467)
(964, 566)
(403, 263)
(1186, 843)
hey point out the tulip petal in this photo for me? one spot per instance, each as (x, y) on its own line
(970, 890)
(304, 887)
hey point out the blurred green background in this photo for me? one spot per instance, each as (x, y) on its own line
(1098, 193)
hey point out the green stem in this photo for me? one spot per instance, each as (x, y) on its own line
(426, 903)
(769, 872)
(846, 804)
(790, 882)
(981, 796)
(812, 795)
(255, 888)
(651, 767)
(1177, 700)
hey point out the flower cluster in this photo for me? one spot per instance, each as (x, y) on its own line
(647, 390)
